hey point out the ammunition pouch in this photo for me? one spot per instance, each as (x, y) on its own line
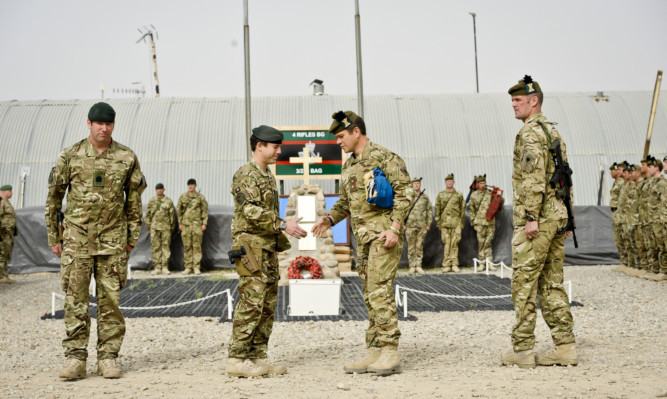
(250, 260)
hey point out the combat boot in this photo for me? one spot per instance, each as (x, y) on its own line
(7, 280)
(156, 271)
(108, 368)
(420, 270)
(523, 359)
(456, 269)
(274, 369)
(165, 270)
(245, 368)
(412, 270)
(361, 366)
(73, 369)
(197, 271)
(562, 355)
(446, 269)
(388, 363)
(492, 268)
(187, 271)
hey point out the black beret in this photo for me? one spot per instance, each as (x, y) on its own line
(192, 181)
(342, 120)
(525, 86)
(268, 134)
(101, 112)
(159, 186)
(613, 166)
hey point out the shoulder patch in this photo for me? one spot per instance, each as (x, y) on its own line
(240, 197)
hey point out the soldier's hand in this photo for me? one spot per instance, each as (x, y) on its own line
(129, 248)
(149, 231)
(532, 229)
(320, 227)
(390, 239)
(203, 227)
(180, 227)
(57, 249)
(294, 229)
(428, 229)
(474, 228)
(568, 234)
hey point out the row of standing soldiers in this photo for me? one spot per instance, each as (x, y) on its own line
(639, 214)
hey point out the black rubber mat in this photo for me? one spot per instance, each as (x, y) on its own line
(203, 298)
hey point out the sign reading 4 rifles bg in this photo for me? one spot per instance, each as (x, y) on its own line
(323, 157)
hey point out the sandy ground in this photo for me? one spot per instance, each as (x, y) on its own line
(620, 332)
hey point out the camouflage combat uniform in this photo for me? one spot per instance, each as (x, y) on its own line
(657, 208)
(631, 222)
(103, 216)
(7, 233)
(419, 219)
(647, 232)
(256, 226)
(160, 221)
(621, 213)
(450, 218)
(479, 203)
(376, 264)
(192, 215)
(615, 224)
(538, 263)
(641, 216)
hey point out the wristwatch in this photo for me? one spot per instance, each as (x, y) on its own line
(529, 218)
(283, 225)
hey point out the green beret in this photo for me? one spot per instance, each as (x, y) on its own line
(192, 181)
(159, 186)
(525, 86)
(613, 166)
(101, 112)
(481, 178)
(342, 120)
(450, 176)
(417, 179)
(6, 187)
(268, 134)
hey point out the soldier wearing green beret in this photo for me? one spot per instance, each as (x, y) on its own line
(616, 174)
(257, 226)
(538, 250)
(627, 255)
(160, 221)
(418, 224)
(643, 231)
(377, 231)
(651, 210)
(103, 182)
(480, 200)
(192, 221)
(450, 217)
(632, 217)
(7, 232)
(658, 214)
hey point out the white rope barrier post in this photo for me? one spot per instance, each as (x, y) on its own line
(486, 265)
(129, 271)
(405, 304)
(229, 304)
(53, 304)
(569, 290)
(92, 287)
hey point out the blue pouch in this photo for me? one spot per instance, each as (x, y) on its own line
(378, 189)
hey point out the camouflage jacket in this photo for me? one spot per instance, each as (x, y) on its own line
(421, 215)
(256, 219)
(631, 204)
(450, 209)
(657, 203)
(7, 218)
(615, 190)
(103, 199)
(532, 170)
(367, 219)
(192, 209)
(479, 204)
(622, 208)
(160, 214)
(644, 193)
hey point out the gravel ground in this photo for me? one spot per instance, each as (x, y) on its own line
(620, 339)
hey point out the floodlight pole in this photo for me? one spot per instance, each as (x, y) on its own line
(149, 33)
(246, 52)
(360, 79)
(474, 32)
(651, 118)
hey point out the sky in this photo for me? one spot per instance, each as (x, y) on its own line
(66, 49)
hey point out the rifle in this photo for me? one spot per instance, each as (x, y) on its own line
(413, 205)
(61, 218)
(473, 187)
(561, 181)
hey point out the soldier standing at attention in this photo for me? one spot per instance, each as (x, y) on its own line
(632, 218)
(160, 222)
(418, 224)
(450, 217)
(479, 203)
(103, 182)
(377, 231)
(538, 250)
(656, 203)
(257, 227)
(192, 221)
(616, 170)
(627, 259)
(7, 232)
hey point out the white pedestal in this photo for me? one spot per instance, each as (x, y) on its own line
(314, 297)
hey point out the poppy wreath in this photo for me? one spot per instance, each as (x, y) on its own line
(304, 262)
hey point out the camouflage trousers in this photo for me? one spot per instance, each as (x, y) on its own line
(254, 313)
(538, 272)
(110, 272)
(625, 245)
(377, 268)
(484, 240)
(192, 237)
(640, 243)
(620, 243)
(6, 248)
(160, 248)
(415, 237)
(660, 238)
(630, 246)
(650, 245)
(450, 240)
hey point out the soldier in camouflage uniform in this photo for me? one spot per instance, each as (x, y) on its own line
(192, 221)
(632, 218)
(418, 224)
(538, 249)
(103, 183)
(7, 232)
(160, 221)
(257, 227)
(450, 217)
(642, 216)
(621, 212)
(479, 203)
(377, 231)
(648, 261)
(616, 170)
(657, 204)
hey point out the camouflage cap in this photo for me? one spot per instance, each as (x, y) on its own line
(481, 178)
(524, 87)
(192, 181)
(268, 134)
(449, 177)
(6, 187)
(101, 112)
(417, 179)
(342, 120)
(159, 186)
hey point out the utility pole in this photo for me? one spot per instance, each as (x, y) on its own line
(474, 31)
(246, 51)
(360, 79)
(149, 33)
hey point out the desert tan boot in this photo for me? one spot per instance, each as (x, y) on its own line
(245, 368)
(165, 270)
(562, 355)
(7, 280)
(73, 369)
(108, 368)
(186, 271)
(455, 269)
(197, 271)
(361, 366)
(523, 359)
(492, 268)
(156, 271)
(275, 369)
(388, 363)
(446, 269)
(420, 270)
(412, 270)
